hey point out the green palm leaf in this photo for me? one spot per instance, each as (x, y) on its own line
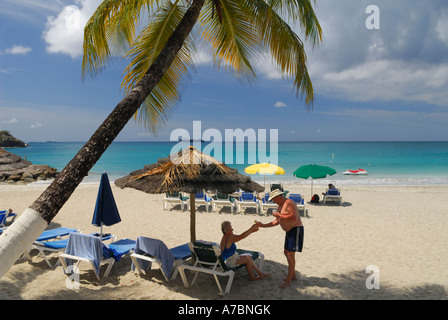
(236, 32)
(163, 99)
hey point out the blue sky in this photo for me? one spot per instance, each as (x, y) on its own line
(370, 84)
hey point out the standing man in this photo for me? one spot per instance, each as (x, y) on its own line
(287, 216)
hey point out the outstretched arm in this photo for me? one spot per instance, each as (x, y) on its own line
(268, 225)
(252, 229)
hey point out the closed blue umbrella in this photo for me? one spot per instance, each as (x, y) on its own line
(106, 212)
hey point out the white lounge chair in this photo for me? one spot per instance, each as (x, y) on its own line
(201, 198)
(208, 259)
(58, 245)
(221, 200)
(90, 249)
(333, 195)
(148, 250)
(248, 200)
(175, 198)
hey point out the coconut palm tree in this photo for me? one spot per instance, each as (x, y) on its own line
(161, 38)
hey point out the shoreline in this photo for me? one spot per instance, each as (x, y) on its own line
(399, 229)
(300, 183)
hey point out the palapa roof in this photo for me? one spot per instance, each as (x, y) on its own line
(9, 162)
(189, 171)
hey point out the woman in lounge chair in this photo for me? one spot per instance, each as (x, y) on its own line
(231, 256)
(330, 186)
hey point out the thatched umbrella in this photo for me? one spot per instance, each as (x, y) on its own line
(189, 171)
(9, 162)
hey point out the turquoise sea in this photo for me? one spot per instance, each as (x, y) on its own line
(387, 163)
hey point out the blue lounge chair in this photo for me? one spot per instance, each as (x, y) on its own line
(201, 198)
(333, 195)
(51, 241)
(299, 200)
(57, 233)
(148, 250)
(57, 245)
(5, 215)
(265, 204)
(88, 248)
(248, 199)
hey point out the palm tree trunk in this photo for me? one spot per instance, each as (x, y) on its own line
(21, 234)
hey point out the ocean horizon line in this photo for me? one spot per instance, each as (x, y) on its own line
(387, 163)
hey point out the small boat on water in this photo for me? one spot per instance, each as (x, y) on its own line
(355, 172)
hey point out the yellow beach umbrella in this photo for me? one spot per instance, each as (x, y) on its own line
(264, 169)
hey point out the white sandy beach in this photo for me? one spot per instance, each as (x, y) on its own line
(401, 230)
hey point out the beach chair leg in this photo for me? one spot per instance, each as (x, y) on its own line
(229, 284)
(65, 267)
(219, 284)
(63, 264)
(26, 255)
(136, 264)
(110, 263)
(261, 262)
(176, 266)
(183, 277)
(46, 260)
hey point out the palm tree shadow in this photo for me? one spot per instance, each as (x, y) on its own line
(348, 286)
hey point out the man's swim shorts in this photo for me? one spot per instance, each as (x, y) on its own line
(294, 239)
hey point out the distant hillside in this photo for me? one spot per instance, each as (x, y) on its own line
(8, 141)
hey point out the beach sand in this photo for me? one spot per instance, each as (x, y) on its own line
(400, 230)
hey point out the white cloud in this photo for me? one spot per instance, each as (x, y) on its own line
(64, 33)
(13, 120)
(442, 27)
(14, 50)
(280, 104)
(389, 80)
(36, 125)
(268, 69)
(406, 60)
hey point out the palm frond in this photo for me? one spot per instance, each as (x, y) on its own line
(164, 97)
(283, 44)
(113, 23)
(303, 12)
(234, 40)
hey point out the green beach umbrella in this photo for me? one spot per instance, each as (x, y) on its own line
(313, 171)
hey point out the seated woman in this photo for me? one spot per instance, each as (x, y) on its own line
(231, 256)
(330, 186)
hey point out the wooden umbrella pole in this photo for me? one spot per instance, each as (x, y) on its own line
(192, 218)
